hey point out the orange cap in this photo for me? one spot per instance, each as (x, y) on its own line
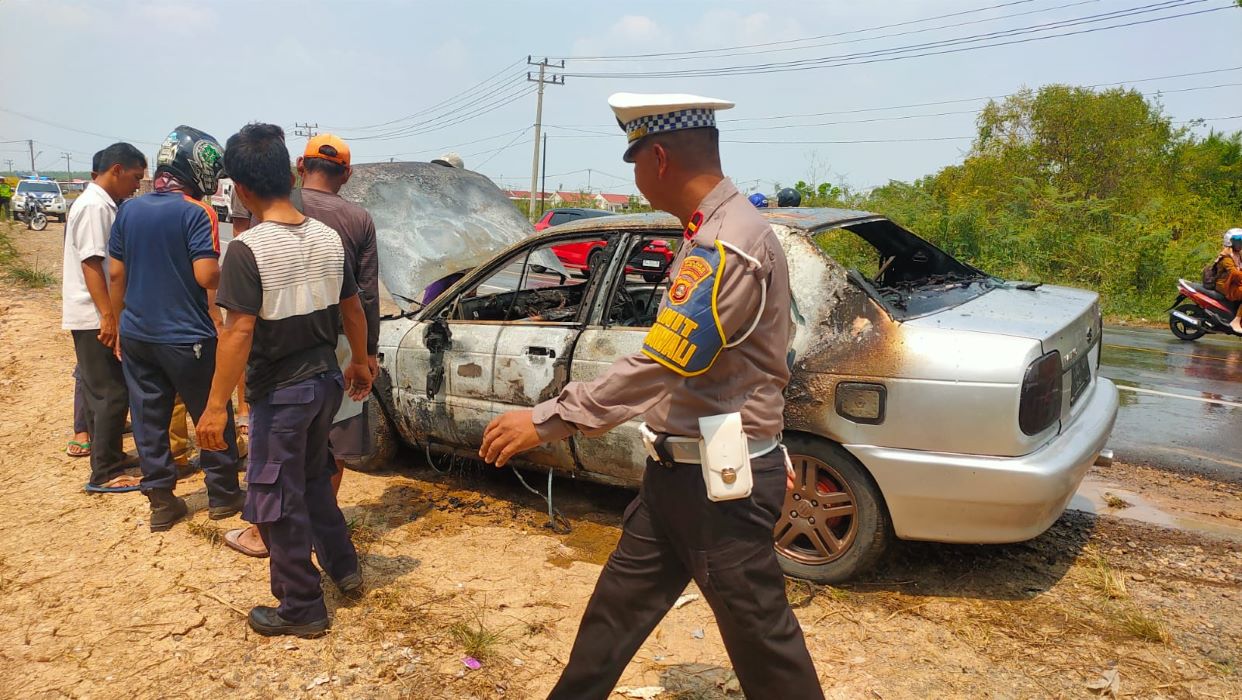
(328, 147)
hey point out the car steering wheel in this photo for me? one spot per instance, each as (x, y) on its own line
(629, 306)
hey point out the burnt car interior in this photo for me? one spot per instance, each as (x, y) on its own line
(531, 286)
(636, 299)
(908, 275)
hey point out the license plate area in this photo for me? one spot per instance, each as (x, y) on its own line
(1080, 378)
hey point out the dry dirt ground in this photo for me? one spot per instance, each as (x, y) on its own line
(459, 564)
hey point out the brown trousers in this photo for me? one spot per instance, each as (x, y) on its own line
(673, 534)
(1231, 285)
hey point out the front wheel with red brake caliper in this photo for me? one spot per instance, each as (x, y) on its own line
(834, 524)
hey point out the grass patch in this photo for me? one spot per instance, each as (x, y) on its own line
(1103, 577)
(200, 529)
(1140, 626)
(18, 270)
(1115, 502)
(476, 638)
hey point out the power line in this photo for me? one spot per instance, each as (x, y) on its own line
(698, 55)
(454, 119)
(900, 53)
(436, 106)
(790, 41)
(441, 149)
(500, 150)
(70, 128)
(448, 113)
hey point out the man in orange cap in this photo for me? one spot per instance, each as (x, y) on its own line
(324, 167)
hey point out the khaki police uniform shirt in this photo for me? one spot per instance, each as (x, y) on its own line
(749, 378)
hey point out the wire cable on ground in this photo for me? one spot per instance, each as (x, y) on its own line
(557, 522)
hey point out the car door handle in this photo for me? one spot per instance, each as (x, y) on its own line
(541, 352)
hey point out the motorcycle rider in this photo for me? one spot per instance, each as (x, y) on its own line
(1229, 273)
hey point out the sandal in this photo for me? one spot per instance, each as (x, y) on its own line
(78, 449)
(124, 483)
(242, 423)
(232, 539)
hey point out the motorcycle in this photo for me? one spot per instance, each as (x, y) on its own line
(1208, 312)
(32, 213)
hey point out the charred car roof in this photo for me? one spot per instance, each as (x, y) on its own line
(804, 219)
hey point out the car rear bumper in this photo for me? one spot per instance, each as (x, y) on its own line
(945, 497)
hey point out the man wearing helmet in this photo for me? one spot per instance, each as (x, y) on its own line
(164, 270)
(1229, 273)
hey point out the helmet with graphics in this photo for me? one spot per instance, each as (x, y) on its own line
(760, 200)
(194, 157)
(789, 197)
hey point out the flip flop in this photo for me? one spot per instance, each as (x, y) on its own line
(233, 541)
(242, 424)
(83, 448)
(110, 487)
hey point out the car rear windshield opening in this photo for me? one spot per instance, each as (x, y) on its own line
(910, 276)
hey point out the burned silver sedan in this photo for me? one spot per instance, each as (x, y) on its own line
(929, 400)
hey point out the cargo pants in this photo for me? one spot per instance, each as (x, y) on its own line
(289, 494)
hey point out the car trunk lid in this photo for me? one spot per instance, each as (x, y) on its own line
(1060, 318)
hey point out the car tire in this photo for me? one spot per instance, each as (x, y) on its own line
(1181, 329)
(861, 536)
(384, 441)
(594, 259)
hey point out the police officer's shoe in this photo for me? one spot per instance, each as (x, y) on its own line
(231, 508)
(166, 509)
(267, 622)
(351, 586)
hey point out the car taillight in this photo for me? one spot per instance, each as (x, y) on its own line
(1040, 404)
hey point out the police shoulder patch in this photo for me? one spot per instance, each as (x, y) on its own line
(687, 335)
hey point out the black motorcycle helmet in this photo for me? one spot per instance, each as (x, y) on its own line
(193, 157)
(788, 197)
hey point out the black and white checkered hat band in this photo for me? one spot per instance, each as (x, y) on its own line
(672, 121)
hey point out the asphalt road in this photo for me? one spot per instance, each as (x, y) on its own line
(1181, 403)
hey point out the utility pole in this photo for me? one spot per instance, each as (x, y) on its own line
(307, 130)
(543, 180)
(30, 143)
(10, 162)
(66, 156)
(543, 79)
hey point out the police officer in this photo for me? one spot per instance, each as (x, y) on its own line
(699, 372)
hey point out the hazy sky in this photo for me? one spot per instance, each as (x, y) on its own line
(134, 70)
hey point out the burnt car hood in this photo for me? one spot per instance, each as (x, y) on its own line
(432, 221)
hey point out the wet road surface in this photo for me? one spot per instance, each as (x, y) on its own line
(1181, 402)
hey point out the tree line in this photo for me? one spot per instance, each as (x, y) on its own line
(1069, 185)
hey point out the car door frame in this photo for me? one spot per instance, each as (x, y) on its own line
(618, 456)
(469, 406)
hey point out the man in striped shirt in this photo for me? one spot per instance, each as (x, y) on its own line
(285, 282)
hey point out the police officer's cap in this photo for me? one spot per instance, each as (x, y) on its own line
(641, 115)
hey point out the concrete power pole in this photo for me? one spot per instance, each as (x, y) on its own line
(30, 143)
(543, 79)
(307, 130)
(66, 156)
(10, 162)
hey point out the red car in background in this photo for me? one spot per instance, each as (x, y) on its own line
(651, 262)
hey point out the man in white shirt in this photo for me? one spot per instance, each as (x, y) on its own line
(87, 312)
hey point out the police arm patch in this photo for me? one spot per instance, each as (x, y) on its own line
(687, 336)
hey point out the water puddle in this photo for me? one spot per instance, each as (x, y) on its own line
(588, 542)
(1103, 497)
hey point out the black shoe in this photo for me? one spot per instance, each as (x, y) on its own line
(267, 622)
(233, 507)
(351, 586)
(166, 509)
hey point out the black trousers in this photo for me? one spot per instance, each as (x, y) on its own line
(107, 400)
(673, 534)
(156, 373)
